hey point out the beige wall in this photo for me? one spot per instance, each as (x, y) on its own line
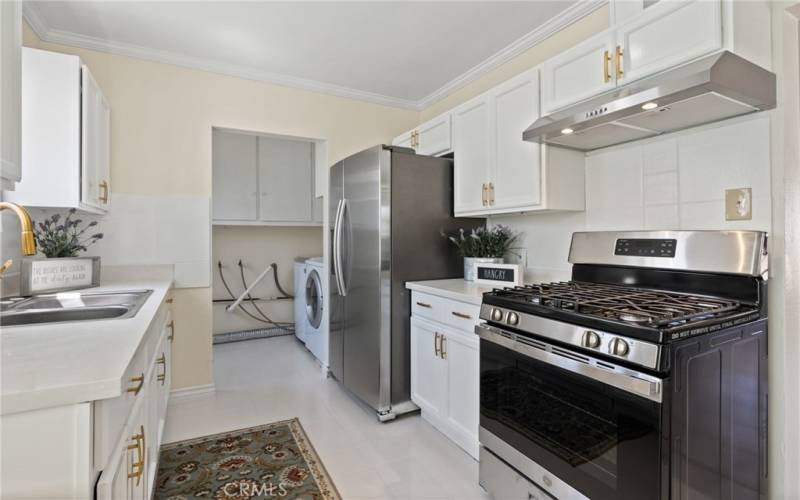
(258, 247)
(584, 28)
(161, 123)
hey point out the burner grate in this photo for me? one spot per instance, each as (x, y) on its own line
(621, 303)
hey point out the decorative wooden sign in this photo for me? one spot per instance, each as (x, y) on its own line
(55, 275)
(498, 274)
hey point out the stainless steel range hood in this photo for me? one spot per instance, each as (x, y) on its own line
(713, 88)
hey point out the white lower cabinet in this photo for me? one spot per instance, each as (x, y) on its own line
(106, 449)
(445, 373)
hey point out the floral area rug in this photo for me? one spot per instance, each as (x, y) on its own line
(269, 461)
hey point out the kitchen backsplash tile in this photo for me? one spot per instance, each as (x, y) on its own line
(155, 230)
(674, 182)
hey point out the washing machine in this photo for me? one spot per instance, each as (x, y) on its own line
(300, 321)
(316, 321)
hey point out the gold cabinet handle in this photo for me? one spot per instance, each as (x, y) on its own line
(104, 197)
(436, 344)
(171, 326)
(423, 304)
(169, 300)
(606, 61)
(618, 61)
(443, 347)
(163, 362)
(139, 381)
(138, 465)
(484, 197)
(491, 193)
(460, 315)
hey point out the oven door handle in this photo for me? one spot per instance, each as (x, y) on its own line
(627, 380)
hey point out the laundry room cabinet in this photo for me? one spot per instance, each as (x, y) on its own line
(263, 180)
(66, 135)
(661, 36)
(495, 171)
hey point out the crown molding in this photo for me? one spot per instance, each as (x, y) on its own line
(572, 14)
(567, 17)
(31, 14)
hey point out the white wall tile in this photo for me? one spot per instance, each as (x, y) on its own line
(711, 215)
(660, 156)
(154, 230)
(673, 182)
(661, 188)
(729, 156)
(661, 217)
(614, 179)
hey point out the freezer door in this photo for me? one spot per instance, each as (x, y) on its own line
(366, 301)
(336, 309)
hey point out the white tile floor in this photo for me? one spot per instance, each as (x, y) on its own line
(261, 381)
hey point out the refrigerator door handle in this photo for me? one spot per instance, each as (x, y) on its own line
(336, 249)
(341, 283)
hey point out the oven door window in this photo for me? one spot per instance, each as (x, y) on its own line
(602, 441)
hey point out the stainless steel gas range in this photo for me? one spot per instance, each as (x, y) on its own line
(644, 377)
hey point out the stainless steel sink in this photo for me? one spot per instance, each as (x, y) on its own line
(72, 306)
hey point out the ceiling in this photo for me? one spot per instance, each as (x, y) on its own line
(406, 54)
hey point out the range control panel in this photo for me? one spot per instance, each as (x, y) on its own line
(646, 247)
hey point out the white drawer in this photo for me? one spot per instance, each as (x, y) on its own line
(427, 306)
(460, 314)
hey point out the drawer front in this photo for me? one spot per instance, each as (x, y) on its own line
(460, 314)
(427, 306)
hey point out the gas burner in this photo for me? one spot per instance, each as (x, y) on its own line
(626, 304)
(633, 318)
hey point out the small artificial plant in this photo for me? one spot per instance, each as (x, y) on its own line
(55, 238)
(494, 242)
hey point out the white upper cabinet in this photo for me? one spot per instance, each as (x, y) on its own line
(95, 143)
(10, 93)
(405, 140)
(578, 73)
(234, 176)
(432, 138)
(260, 180)
(654, 38)
(516, 180)
(471, 156)
(668, 34)
(66, 135)
(285, 170)
(497, 172)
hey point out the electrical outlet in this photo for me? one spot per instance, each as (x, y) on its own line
(739, 204)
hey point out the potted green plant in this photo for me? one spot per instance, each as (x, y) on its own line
(56, 239)
(482, 246)
(61, 240)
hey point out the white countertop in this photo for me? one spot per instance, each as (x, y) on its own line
(456, 289)
(51, 365)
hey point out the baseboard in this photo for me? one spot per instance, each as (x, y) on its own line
(194, 391)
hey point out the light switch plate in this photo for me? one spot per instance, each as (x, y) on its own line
(739, 204)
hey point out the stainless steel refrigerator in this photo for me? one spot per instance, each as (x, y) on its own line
(388, 210)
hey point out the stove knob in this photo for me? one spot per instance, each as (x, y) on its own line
(497, 315)
(591, 339)
(512, 319)
(618, 347)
